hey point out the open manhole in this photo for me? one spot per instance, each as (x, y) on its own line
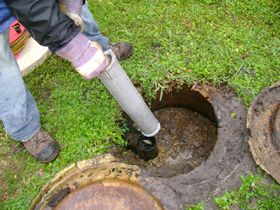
(186, 139)
(202, 149)
(202, 146)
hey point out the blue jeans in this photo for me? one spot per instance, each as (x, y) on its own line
(18, 109)
(91, 29)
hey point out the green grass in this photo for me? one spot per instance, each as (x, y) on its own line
(232, 41)
(253, 194)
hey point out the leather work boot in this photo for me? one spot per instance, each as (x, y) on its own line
(122, 50)
(42, 146)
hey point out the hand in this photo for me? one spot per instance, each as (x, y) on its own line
(72, 8)
(87, 57)
(95, 66)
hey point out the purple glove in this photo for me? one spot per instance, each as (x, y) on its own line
(72, 8)
(87, 57)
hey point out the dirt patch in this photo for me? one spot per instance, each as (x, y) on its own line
(230, 156)
(229, 159)
(185, 141)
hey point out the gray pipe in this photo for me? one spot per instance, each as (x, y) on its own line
(120, 86)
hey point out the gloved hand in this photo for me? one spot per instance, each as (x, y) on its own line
(87, 57)
(72, 8)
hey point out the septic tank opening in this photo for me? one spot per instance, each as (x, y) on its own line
(187, 136)
(221, 172)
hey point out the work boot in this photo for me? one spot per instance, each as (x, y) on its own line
(122, 50)
(42, 146)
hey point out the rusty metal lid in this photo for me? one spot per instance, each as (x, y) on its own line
(97, 183)
(263, 120)
(110, 195)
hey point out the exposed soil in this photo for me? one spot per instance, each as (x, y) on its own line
(186, 171)
(230, 157)
(185, 140)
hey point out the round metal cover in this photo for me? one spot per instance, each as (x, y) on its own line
(263, 120)
(109, 195)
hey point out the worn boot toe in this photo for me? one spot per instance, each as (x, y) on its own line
(42, 146)
(122, 50)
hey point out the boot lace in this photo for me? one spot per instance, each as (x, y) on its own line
(36, 140)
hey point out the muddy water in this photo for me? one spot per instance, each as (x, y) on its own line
(185, 140)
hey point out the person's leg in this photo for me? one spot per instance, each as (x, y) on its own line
(91, 29)
(122, 50)
(18, 109)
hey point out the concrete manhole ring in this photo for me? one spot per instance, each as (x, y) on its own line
(264, 124)
(229, 159)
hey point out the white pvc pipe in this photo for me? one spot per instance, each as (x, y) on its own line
(120, 86)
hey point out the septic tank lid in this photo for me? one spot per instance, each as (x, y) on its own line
(109, 195)
(263, 121)
(97, 183)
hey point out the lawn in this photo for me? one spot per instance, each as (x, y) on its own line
(207, 41)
